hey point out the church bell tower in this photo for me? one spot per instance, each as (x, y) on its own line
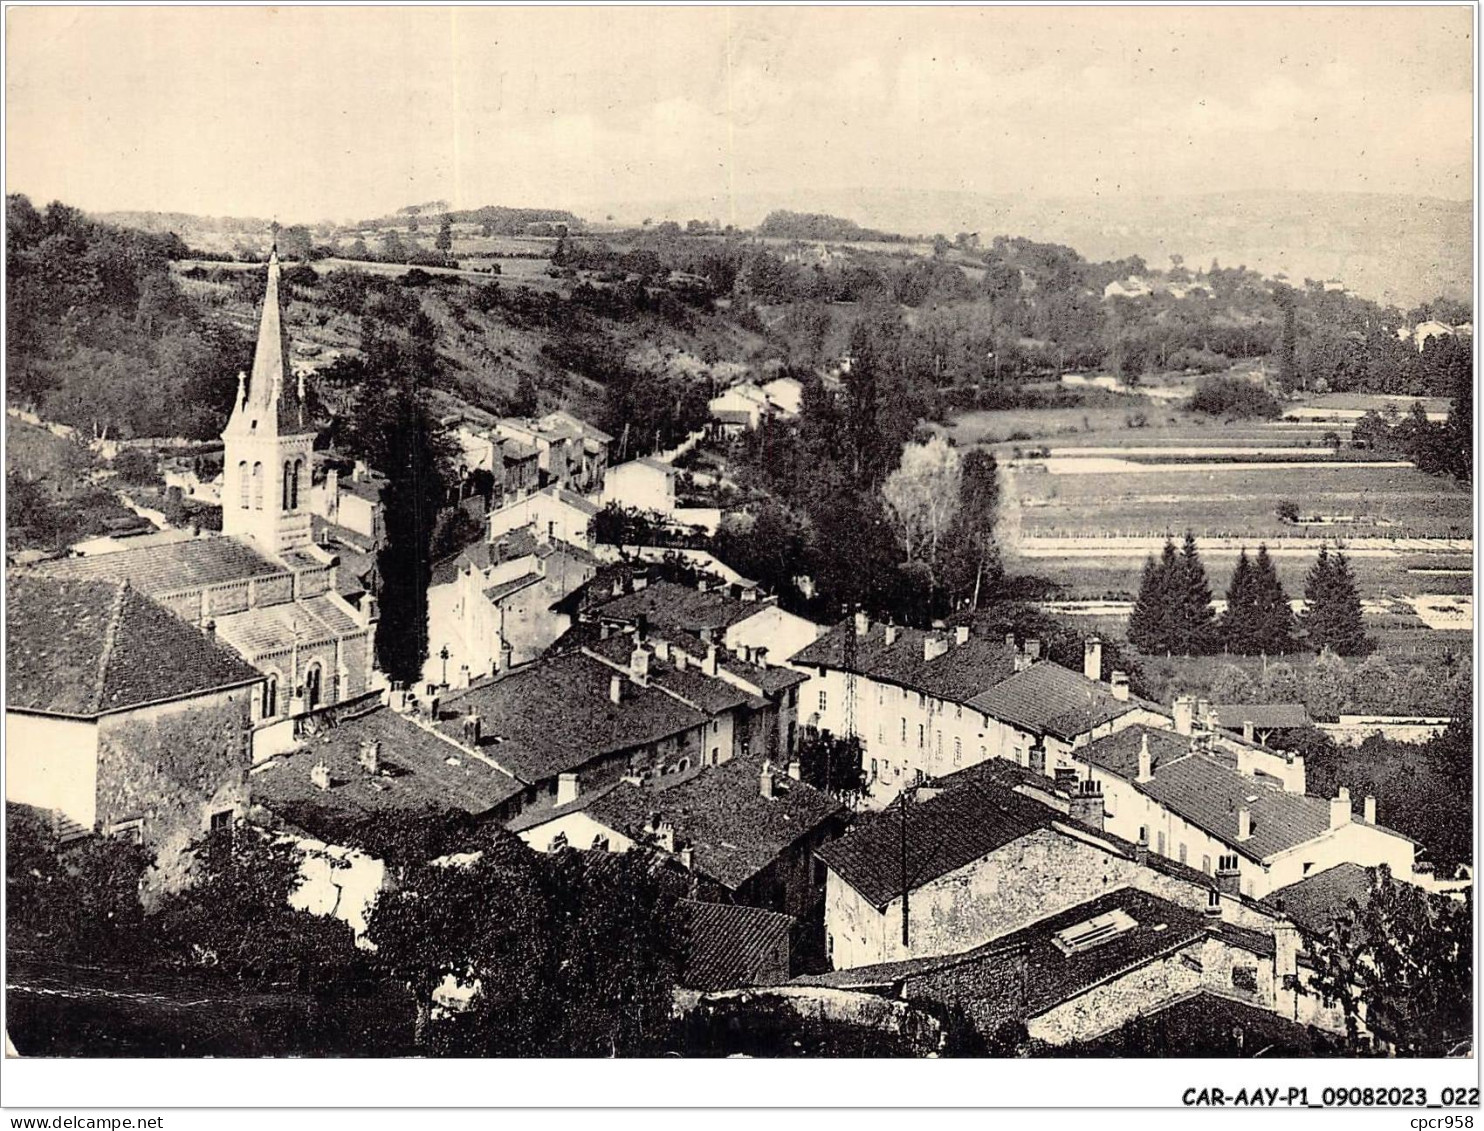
(269, 443)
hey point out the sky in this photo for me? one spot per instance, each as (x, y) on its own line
(304, 114)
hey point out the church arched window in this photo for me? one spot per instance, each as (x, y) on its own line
(257, 486)
(270, 697)
(294, 495)
(243, 486)
(288, 475)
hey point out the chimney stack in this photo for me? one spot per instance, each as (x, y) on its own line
(472, 728)
(320, 776)
(1370, 810)
(961, 634)
(639, 665)
(1086, 804)
(1033, 650)
(641, 582)
(1118, 681)
(370, 756)
(211, 630)
(1203, 713)
(1010, 641)
(567, 788)
(1092, 659)
(1146, 760)
(1244, 823)
(687, 857)
(1184, 714)
(1339, 809)
(708, 665)
(793, 770)
(1249, 730)
(1229, 874)
(765, 781)
(862, 623)
(1141, 850)
(761, 656)
(615, 689)
(933, 646)
(891, 635)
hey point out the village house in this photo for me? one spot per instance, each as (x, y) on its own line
(1240, 814)
(352, 503)
(746, 829)
(731, 945)
(570, 453)
(268, 589)
(1090, 968)
(907, 694)
(641, 484)
(553, 513)
(740, 408)
(121, 718)
(984, 858)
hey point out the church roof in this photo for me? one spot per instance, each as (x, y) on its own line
(272, 387)
(89, 648)
(175, 567)
(276, 628)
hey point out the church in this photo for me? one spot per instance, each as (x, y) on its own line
(262, 586)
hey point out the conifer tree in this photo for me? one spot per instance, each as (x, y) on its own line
(1149, 623)
(1194, 619)
(1271, 618)
(1332, 606)
(1237, 629)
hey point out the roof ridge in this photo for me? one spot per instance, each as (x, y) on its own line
(110, 636)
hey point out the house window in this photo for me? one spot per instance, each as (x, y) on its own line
(958, 751)
(873, 769)
(940, 745)
(715, 725)
(880, 732)
(558, 842)
(1245, 978)
(1161, 848)
(983, 752)
(600, 843)
(684, 763)
(1182, 853)
(921, 736)
(793, 696)
(1093, 932)
(822, 702)
(1206, 865)
(904, 730)
(791, 738)
(131, 831)
(958, 711)
(222, 820)
(819, 872)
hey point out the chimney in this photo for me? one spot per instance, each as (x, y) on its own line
(761, 656)
(862, 623)
(1141, 850)
(639, 665)
(663, 832)
(1370, 810)
(1086, 804)
(1339, 809)
(793, 770)
(370, 756)
(1244, 823)
(1092, 658)
(502, 656)
(641, 581)
(320, 776)
(211, 630)
(708, 665)
(1286, 948)
(961, 634)
(615, 689)
(765, 781)
(604, 631)
(1249, 730)
(933, 646)
(1033, 650)
(1022, 661)
(1229, 874)
(662, 650)
(618, 586)
(891, 635)
(1118, 681)
(1184, 714)
(1203, 713)
(641, 626)
(472, 728)
(1146, 760)
(687, 857)
(1010, 641)
(567, 788)
(432, 702)
(464, 677)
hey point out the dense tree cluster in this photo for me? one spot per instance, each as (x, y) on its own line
(99, 335)
(1257, 620)
(1172, 614)
(1332, 614)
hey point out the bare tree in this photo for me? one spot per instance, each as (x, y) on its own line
(922, 497)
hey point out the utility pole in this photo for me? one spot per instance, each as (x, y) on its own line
(902, 810)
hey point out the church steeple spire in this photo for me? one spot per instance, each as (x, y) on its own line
(270, 363)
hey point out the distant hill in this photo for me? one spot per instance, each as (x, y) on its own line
(1393, 249)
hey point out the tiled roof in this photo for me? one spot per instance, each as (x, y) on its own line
(1316, 901)
(575, 501)
(269, 629)
(733, 830)
(1050, 976)
(171, 568)
(958, 675)
(1207, 794)
(728, 945)
(419, 772)
(1263, 716)
(87, 648)
(555, 715)
(1201, 1024)
(944, 834)
(496, 593)
(1050, 699)
(668, 604)
(708, 693)
(1119, 752)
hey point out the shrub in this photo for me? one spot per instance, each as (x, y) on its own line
(1233, 397)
